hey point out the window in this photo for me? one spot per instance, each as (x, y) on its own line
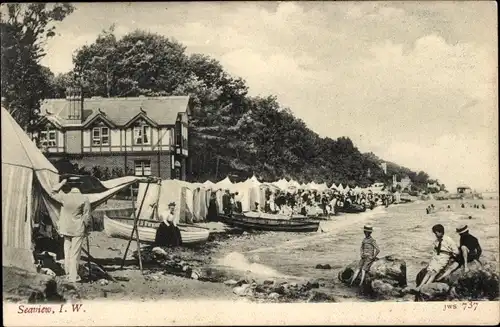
(48, 138)
(142, 167)
(141, 135)
(100, 136)
(178, 135)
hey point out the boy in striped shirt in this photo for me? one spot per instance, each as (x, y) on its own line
(369, 252)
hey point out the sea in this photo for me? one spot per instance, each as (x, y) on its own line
(402, 230)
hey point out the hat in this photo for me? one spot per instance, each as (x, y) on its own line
(368, 228)
(171, 204)
(462, 229)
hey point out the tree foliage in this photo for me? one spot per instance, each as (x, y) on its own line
(232, 133)
(24, 29)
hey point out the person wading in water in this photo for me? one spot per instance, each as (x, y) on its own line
(168, 234)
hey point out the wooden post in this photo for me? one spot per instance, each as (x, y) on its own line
(135, 225)
(88, 258)
(136, 222)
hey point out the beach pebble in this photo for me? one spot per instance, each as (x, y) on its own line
(230, 282)
(320, 297)
(312, 284)
(242, 290)
(47, 271)
(195, 275)
(159, 252)
(435, 291)
(103, 282)
(273, 296)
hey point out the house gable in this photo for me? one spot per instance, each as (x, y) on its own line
(141, 119)
(99, 118)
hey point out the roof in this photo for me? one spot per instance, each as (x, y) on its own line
(463, 186)
(162, 110)
(20, 149)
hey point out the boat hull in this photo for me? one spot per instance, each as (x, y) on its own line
(266, 224)
(353, 209)
(122, 228)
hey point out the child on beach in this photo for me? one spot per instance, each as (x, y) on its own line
(369, 252)
(444, 254)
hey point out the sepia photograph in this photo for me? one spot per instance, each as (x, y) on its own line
(250, 162)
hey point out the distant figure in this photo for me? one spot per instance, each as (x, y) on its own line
(213, 210)
(226, 203)
(463, 205)
(445, 250)
(168, 234)
(470, 217)
(483, 206)
(369, 252)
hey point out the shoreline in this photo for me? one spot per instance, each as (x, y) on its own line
(175, 283)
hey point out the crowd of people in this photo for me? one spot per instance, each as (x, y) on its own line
(303, 202)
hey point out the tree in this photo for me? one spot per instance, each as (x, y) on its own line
(24, 29)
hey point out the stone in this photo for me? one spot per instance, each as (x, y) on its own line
(389, 269)
(273, 296)
(47, 271)
(384, 290)
(242, 290)
(195, 275)
(230, 282)
(316, 296)
(434, 292)
(325, 266)
(481, 281)
(312, 284)
(103, 282)
(268, 282)
(242, 281)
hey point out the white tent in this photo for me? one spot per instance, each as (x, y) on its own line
(27, 181)
(281, 184)
(224, 184)
(333, 186)
(313, 186)
(254, 180)
(340, 187)
(347, 188)
(209, 184)
(322, 187)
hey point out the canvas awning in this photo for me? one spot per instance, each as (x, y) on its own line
(27, 181)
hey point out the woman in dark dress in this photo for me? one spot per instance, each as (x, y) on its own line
(213, 210)
(168, 234)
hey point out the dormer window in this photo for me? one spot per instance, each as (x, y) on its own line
(100, 136)
(48, 138)
(141, 135)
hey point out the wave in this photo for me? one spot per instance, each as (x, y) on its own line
(237, 261)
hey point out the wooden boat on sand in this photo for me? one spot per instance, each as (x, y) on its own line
(121, 227)
(353, 208)
(270, 224)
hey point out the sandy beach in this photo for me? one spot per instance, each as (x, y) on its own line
(402, 230)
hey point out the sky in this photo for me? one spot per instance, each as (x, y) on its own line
(413, 82)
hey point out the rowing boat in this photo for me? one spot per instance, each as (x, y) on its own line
(121, 227)
(270, 224)
(353, 208)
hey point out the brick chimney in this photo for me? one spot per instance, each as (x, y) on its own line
(74, 96)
